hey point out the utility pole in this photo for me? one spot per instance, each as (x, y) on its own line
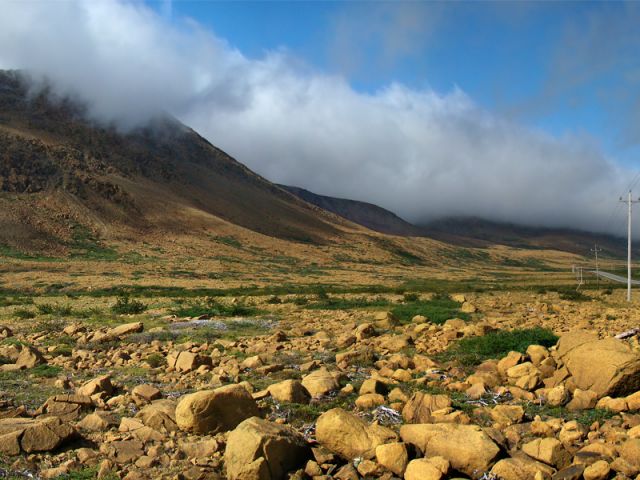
(629, 202)
(596, 250)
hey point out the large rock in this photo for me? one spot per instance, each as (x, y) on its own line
(320, 382)
(522, 468)
(261, 450)
(213, 411)
(467, 447)
(548, 450)
(421, 405)
(66, 407)
(289, 391)
(159, 415)
(30, 435)
(349, 436)
(99, 385)
(117, 332)
(29, 357)
(607, 367)
(393, 456)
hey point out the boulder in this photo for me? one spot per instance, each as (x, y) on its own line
(98, 385)
(98, 421)
(159, 415)
(29, 357)
(422, 469)
(289, 391)
(320, 382)
(261, 450)
(522, 468)
(33, 435)
(548, 450)
(349, 436)
(420, 407)
(213, 411)
(146, 393)
(66, 407)
(607, 367)
(467, 447)
(393, 456)
(186, 361)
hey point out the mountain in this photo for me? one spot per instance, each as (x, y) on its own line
(59, 171)
(478, 232)
(468, 231)
(366, 214)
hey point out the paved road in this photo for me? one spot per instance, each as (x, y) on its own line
(614, 278)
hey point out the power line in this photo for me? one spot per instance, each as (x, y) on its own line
(629, 203)
(597, 250)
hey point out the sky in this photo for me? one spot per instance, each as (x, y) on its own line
(513, 111)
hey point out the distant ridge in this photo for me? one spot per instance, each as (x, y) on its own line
(363, 213)
(467, 231)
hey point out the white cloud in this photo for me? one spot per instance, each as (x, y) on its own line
(421, 154)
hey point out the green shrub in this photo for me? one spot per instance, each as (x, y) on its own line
(155, 360)
(411, 297)
(50, 309)
(474, 350)
(126, 306)
(573, 295)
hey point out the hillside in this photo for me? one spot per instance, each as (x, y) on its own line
(363, 213)
(57, 171)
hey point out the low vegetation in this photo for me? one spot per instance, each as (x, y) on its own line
(125, 305)
(474, 350)
(438, 309)
(209, 307)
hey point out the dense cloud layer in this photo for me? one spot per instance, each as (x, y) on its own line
(421, 154)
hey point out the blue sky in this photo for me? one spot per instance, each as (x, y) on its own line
(505, 56)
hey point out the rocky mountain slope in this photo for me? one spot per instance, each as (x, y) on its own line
(58, 170)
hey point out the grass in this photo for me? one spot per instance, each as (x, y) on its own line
(57, 309)
(45, 371)
(438, 310)
(210, 307)
(338, 303)
(10, 301)
(583, 417)
(298, 414)
(85, 245)
(474, 350)
(87, 473)
(572, 295)
(24, 313)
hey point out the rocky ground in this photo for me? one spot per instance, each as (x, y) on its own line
(500, 385)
